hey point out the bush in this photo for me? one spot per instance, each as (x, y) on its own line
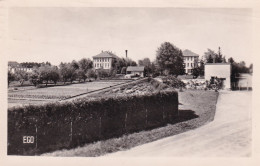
(173, 82)
(65, 125)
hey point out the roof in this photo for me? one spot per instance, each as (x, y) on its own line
(217, 63)
(189, 53)
(185, 76)
(105, 54)
(135, 68)
(13, 64)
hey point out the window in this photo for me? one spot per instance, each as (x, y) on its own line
(95, 65)
(187, 58)
(191, 65)
(187, 64)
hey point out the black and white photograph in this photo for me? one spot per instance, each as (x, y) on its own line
(129, 82)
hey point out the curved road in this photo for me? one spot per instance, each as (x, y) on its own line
(229, 135)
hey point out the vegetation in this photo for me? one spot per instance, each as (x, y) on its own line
(196, 108)
(170, 59)
(82, 121)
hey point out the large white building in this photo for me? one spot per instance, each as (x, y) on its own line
(219, 70)
(104, 60)
(190, 60)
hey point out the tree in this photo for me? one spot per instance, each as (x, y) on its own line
(102, 73)
(210, 56)
(147, 65)
(54, 74)
(11, 77)
(67, 72)
(199, 70)
(91, 74)
(34, 77)
(74, 64)
(21, 76)
(170, 59)
(123, 70)
(44, 73)
(82, 75)
(85, 64)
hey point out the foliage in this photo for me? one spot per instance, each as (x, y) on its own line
(172, 81)
(119, 63)
(237, 68)
(68, 72)
(210, 56)
(85, 64)
(91, 74)
(11, 77)
(123, 70)
(102, 73)
(75, 123)
(149, 67)
(170, 59)
(199, 70)
(21, 76)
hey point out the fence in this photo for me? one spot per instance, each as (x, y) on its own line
(44, 128)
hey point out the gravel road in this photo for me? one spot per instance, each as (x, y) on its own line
(229, 135)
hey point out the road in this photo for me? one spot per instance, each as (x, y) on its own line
(229, 135)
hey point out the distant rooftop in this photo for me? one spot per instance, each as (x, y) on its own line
(13, 63)
(135, 68)
(217, 63)
(105, 54)
(189, 53)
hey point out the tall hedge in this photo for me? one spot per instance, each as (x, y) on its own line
(67, 125)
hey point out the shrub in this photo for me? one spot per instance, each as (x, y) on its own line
(65, 125)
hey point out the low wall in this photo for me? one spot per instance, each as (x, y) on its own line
(37, 129)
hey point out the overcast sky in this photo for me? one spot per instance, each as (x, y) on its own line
(65, 34)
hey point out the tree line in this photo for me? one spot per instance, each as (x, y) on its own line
(169, 61)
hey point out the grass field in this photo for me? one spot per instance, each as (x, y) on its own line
(196, 108)
(31, 95)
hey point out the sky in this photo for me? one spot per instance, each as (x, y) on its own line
(62, 34)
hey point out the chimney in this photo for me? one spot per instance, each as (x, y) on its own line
(126, 53)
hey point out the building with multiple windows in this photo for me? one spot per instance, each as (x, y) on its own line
(104, 60)
(190, 60)
(15, 66)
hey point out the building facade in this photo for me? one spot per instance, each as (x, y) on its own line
(104, 60)
(135, 70)
(219, 70)
(15, 66)
(190, 61)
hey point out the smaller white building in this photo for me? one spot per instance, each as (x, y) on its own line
(135, 70)
(219, 70)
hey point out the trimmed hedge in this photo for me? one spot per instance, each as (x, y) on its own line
(67, 125)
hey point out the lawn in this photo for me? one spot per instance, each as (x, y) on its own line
(196, 108)
(31, 95)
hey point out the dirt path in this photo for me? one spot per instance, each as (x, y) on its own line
(229, 135)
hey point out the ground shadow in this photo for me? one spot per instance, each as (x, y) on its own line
(185, 115)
